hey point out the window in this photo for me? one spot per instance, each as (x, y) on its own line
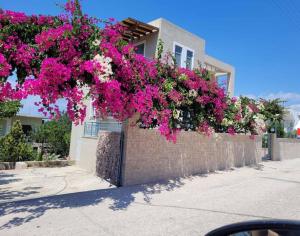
(91, 129)
(27, 129)
(184, 56)
(178, 52)
(140, 49)
(189, 59)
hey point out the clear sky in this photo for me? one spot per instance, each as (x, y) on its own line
(260, 38)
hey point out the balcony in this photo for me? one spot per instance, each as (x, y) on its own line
(91, 129)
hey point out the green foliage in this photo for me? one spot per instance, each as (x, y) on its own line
(274, 112)
(205, 74)
(265, 141)
(9, 108)
(292, 134)
(13, 147)
(57, 134)
(160, 49)
(280, 130)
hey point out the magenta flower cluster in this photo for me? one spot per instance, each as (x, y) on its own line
(5, 68)
(70, 57)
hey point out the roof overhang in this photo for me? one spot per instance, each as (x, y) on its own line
(135, 29)
(216, 66)
(30, 116)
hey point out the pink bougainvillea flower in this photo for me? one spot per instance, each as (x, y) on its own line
(5, 68)
(70, 57)
(205, 128)
(231, 130)
(175, 96)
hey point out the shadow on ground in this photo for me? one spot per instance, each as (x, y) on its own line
(7, 178)
(121, 199)
(24, 211)
(8, 194)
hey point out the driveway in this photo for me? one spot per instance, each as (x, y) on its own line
(41, 182)
(185, 206)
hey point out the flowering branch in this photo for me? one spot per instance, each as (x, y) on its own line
(70, 57)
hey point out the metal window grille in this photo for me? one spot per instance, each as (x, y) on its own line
(91, 129)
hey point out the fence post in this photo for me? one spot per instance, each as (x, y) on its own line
(126, 126)
(122, 162)
(273, 148)
(122, 156)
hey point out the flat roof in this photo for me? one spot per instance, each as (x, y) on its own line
(136, 29)
(31, 116)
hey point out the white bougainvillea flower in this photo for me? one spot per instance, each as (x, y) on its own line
(105, 70)
(193, 93)
(260, 125)
(261, 106)
(96, 42)
(176, 114)
(225, 122)
(238, 104)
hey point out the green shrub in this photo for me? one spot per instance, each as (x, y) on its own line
(9, 108)
(13, 147)
(57, 134)
(265, 141)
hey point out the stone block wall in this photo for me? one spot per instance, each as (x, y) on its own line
(284, 148)
(149, 157)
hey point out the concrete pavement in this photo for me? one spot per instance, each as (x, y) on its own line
(21, 184)
(186, 206)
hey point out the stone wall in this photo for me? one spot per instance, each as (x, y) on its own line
(34, 164)
(284, 148)
(108, 156)
(149, 157)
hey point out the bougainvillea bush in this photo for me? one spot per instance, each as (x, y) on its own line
(72, 57)
(244, 115)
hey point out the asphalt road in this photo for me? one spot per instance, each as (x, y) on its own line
(186, 206)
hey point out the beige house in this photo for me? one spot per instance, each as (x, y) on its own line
(189, 51)
(29, 123)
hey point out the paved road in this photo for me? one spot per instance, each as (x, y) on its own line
(189, 206)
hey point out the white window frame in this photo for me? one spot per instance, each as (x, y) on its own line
(193, 58)
(139, 43)
(184, 54)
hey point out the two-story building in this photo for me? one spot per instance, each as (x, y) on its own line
(188, 49)
(189, 52)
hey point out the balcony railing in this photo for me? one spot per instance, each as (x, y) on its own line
(91, 129)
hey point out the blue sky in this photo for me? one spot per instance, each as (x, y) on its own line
(259, 37)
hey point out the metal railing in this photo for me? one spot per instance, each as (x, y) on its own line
(91, 129)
